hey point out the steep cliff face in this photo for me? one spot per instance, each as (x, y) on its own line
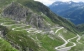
(20, 13)
(38, 22)
(15, 11)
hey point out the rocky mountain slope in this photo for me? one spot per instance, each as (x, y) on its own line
(28, 25)
(69, 10)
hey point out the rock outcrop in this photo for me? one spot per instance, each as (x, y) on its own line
(20, 13)
(15, 11)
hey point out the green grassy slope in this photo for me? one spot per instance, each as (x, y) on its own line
(28, 38)
(40, 8)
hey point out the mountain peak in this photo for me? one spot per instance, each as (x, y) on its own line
(69, 9)
(61, 2)
(67, 2)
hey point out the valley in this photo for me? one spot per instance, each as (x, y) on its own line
(28, 25)
(70, 10)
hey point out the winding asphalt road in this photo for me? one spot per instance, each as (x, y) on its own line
(63, 47)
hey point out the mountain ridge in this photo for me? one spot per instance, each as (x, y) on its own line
(72, 11)
(34, 27)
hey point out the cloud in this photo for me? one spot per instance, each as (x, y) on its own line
(46, 2)
(49, 2)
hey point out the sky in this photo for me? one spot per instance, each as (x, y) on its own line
(49, 2)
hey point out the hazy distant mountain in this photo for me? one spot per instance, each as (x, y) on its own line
(73, 11)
